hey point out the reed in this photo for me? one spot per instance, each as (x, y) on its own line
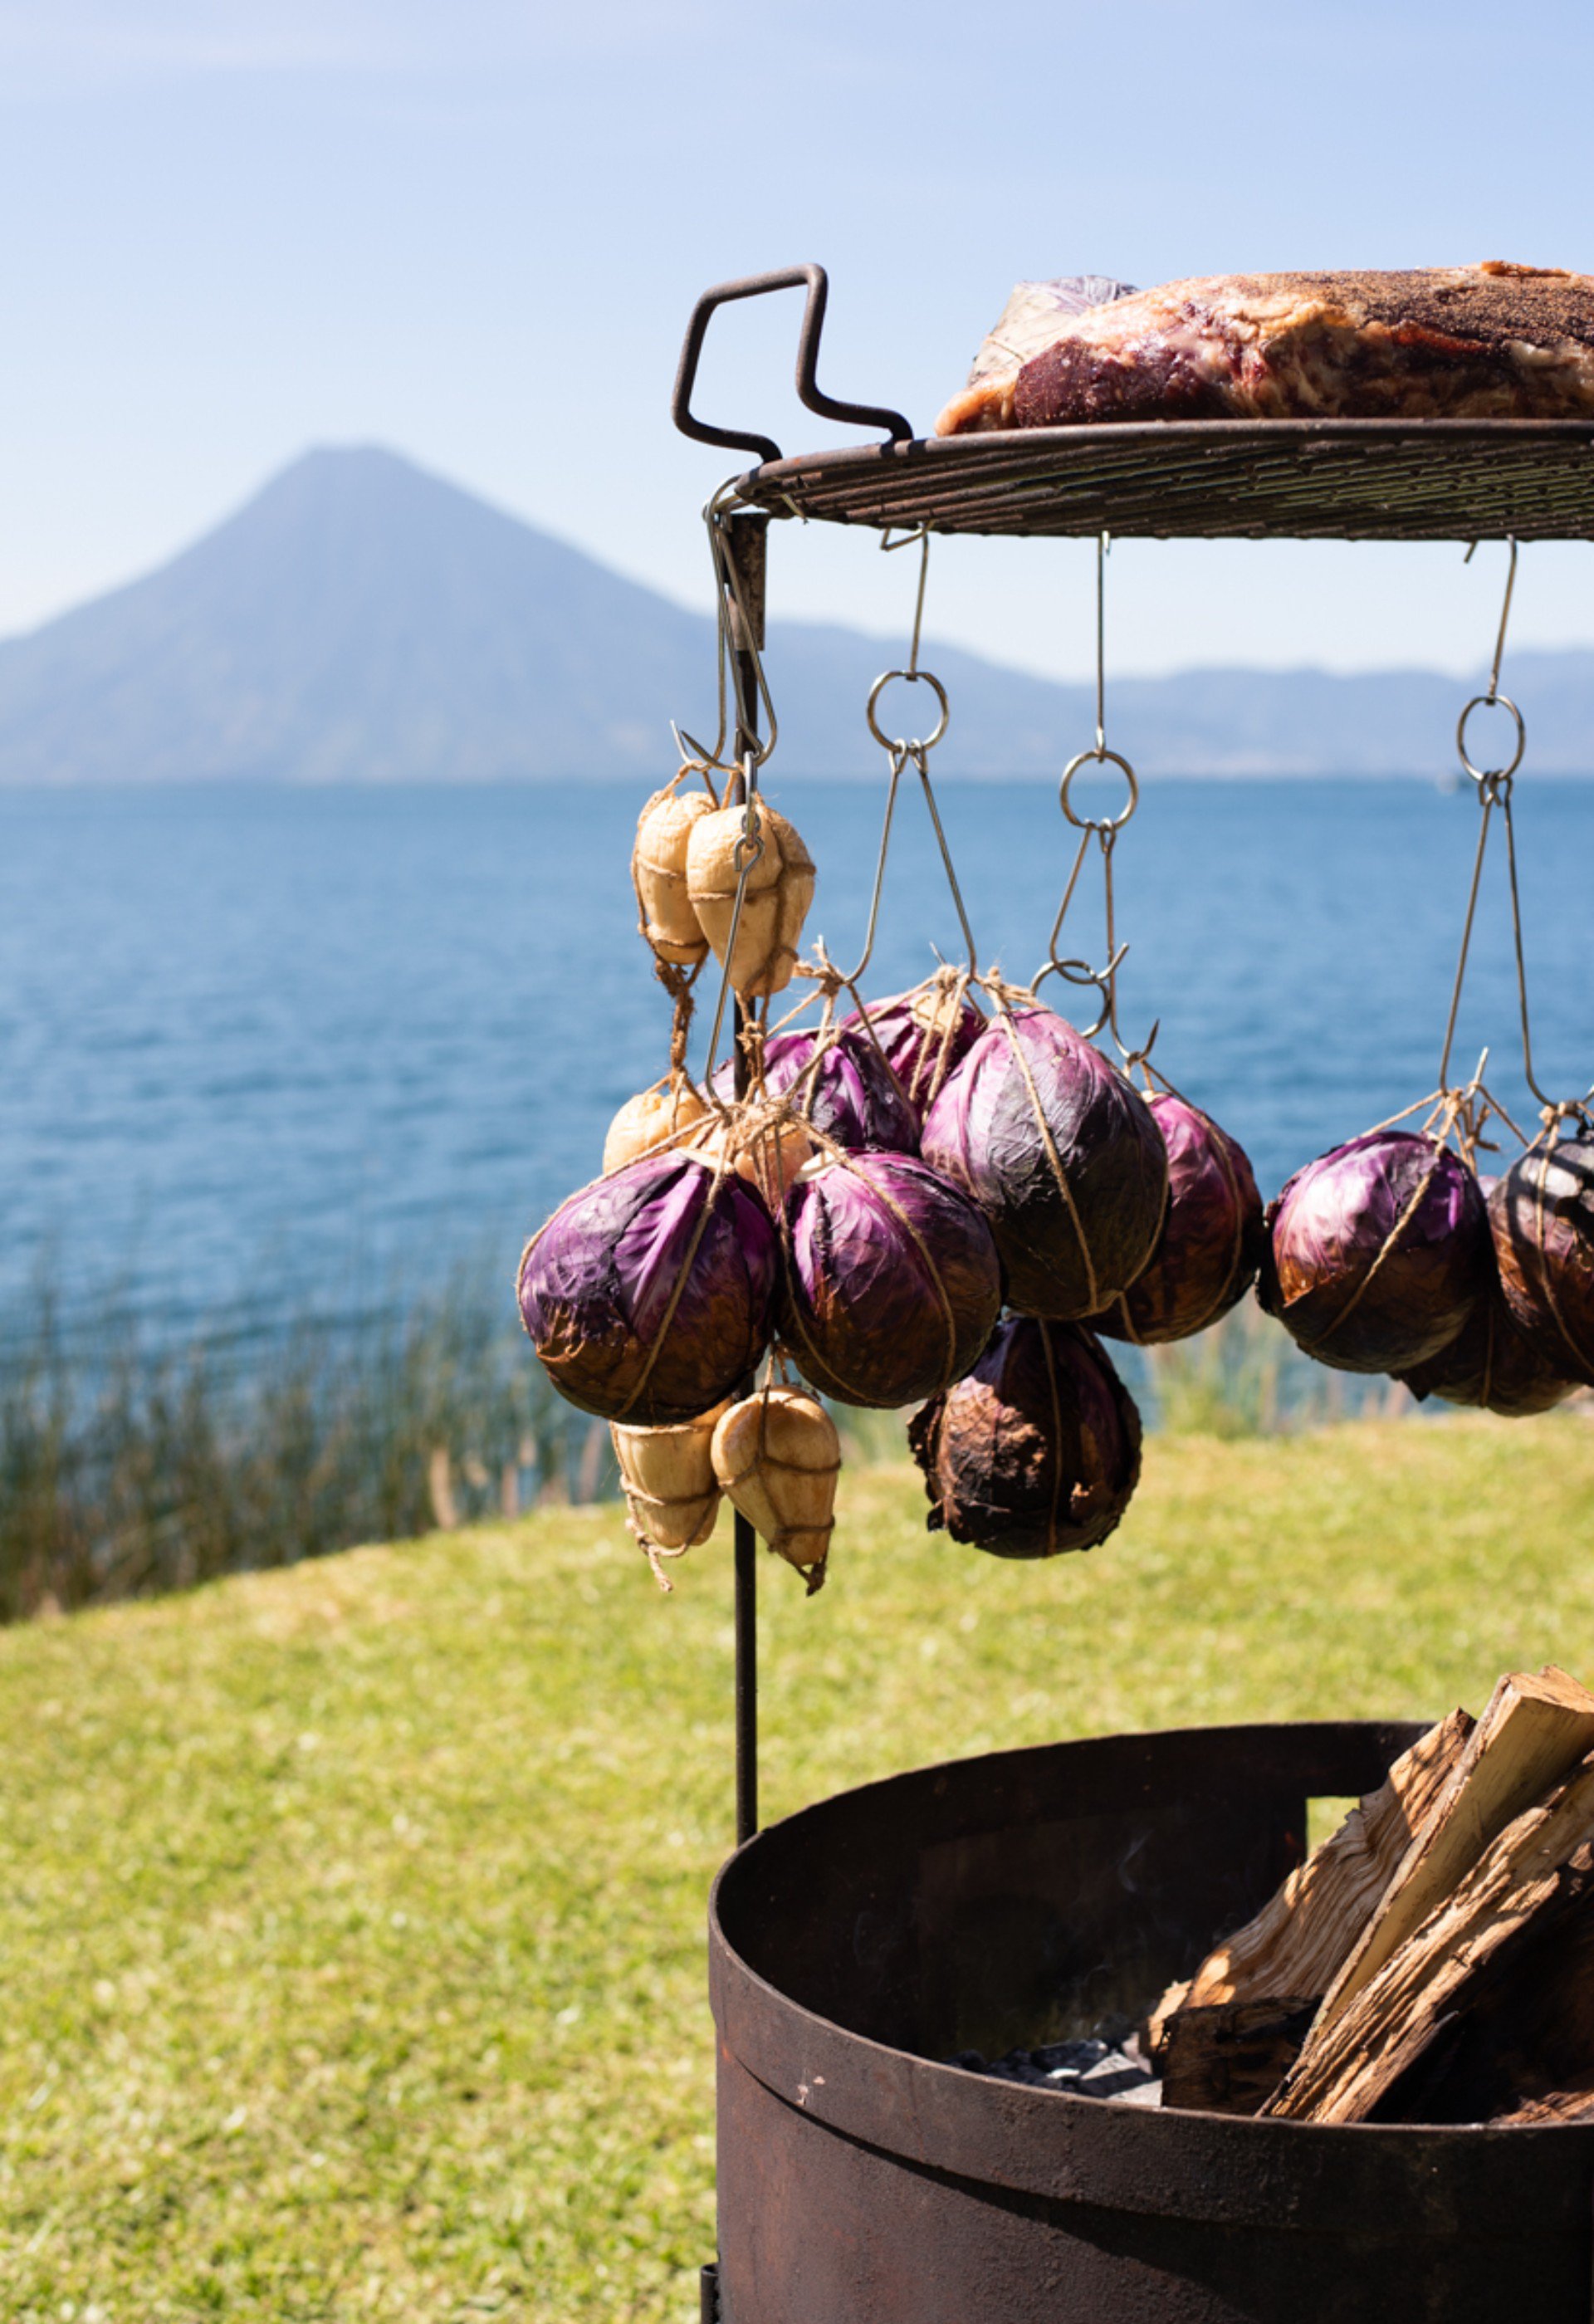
(128, 1468)
(1247, 1378)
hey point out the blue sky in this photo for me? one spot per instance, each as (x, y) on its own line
(473, 232)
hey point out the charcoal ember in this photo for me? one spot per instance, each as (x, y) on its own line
(1085, 2069)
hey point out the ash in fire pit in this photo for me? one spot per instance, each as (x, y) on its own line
(1086, 2070)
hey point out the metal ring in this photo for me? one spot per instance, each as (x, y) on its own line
(1100, 758)
(914, 677)
(1491, 702)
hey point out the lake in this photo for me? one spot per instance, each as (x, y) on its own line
(272, 1049)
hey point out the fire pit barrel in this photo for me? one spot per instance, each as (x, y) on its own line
(1028, 1897)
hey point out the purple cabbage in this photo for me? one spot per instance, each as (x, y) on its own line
(891, 1285)
(1378, 1253)
(648, 1296)
(1038, 1451)
(1068, 1248)
(1542, 1214)
(1493, 1364)
(1211, 1245)
(853, 1096)
(924, 1034)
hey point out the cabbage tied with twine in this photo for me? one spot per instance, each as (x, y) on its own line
(1212, 1235)
(1492, 1365)
(889, 1280)
(1378, 1252)
(838, 1081)
(923, 1034)
(1542, 1213)
(1038, 1451)
(649, 1295)
(1062, 1154)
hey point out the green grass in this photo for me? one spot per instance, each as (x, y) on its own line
(351, 1914)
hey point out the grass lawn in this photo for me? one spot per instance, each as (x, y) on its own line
(350, 1916)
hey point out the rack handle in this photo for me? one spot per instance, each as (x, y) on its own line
(753, 286)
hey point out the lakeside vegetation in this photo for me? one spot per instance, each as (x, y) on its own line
(126, 1471)
(352, 1916)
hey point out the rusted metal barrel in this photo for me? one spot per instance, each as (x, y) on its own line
(1022, 1898)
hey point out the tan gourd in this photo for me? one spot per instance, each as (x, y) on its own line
(659, 873)
(779, 889)
(776, 1455)
(657, 1119)
(768, 1152)
(672, 1491)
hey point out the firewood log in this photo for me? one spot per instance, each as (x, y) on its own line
(1526, 2038)
(1542, 1861)
(1534, 1730)
(1298, 1941)
(1230, 2059)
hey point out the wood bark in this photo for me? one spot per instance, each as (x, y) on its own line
(1298, 1942)
(1541, 1861)
(1230, 2059)
(1533, 1732)
(1526, 2039)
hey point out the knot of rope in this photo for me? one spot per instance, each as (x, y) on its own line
(823, 972)
(677, 983)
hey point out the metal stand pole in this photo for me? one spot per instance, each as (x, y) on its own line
(747, 538)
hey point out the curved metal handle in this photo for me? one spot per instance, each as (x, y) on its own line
(753, 286)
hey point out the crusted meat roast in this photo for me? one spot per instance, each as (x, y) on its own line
(1489, 342)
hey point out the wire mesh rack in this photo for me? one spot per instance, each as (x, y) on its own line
(1211, 479)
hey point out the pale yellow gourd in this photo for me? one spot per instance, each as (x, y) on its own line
(657, 1120)
(659, 873)
(671, 1492)
(768, 1151)
(775, 1457)
(779, 892)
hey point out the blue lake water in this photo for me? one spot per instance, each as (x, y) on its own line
(265, 1049)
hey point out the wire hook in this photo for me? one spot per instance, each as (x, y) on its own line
(901, 751)
(1495, 785)
(1104, 829)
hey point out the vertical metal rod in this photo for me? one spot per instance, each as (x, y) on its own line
(746, 536)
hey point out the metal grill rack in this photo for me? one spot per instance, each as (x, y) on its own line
(1211, 479)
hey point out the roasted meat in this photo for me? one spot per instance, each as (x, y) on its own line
(1489, 342)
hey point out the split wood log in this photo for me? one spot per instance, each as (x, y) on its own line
(1231, 2058)
(1298, 1941)
(1534, 1730)
(1559, 2106)
(1527, 2037)
(1541, 1860)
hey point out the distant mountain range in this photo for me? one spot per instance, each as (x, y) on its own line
(362, 621)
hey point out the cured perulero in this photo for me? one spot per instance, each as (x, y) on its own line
(1489, 342)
